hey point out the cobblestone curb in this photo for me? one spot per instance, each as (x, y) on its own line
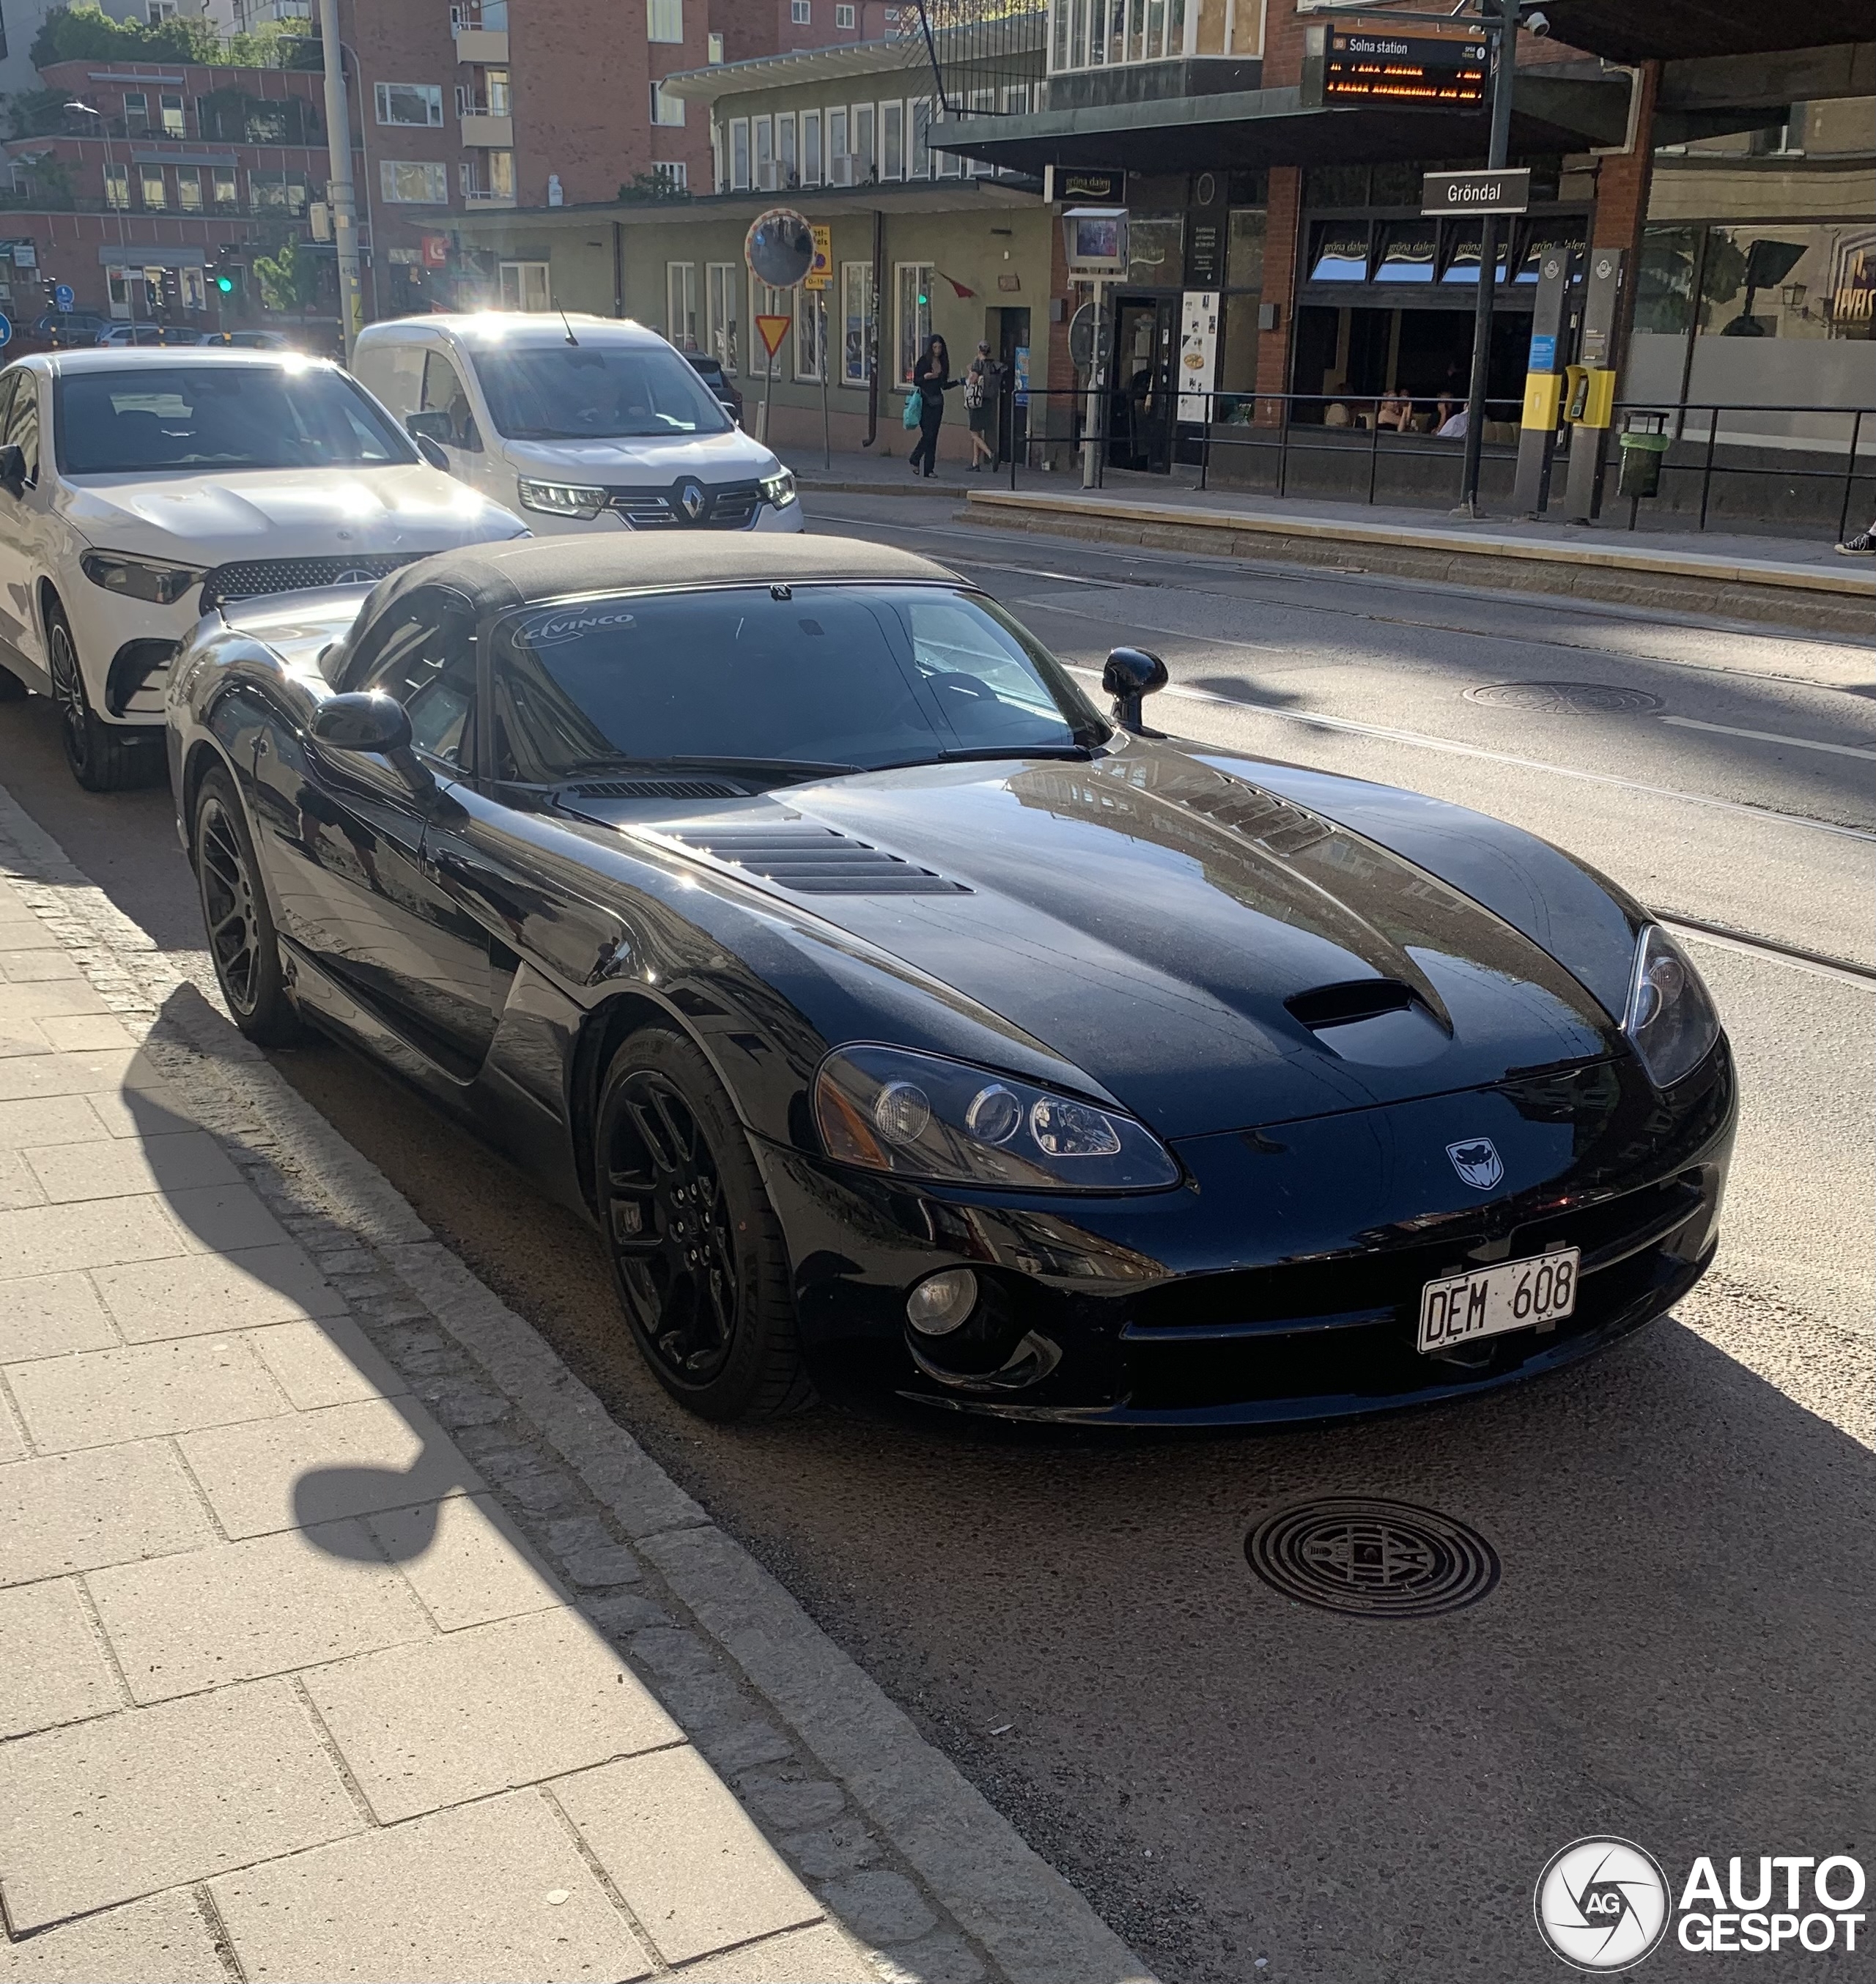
(912, 1862)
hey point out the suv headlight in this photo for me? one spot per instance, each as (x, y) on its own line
(779, 488)
(1670, 1021)
(921, 1116)
(157, 580)
(561, 499)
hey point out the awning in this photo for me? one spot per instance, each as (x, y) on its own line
(1634, 31)
(151, 255)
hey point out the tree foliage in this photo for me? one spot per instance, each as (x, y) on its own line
(289, 278)
(84, 33)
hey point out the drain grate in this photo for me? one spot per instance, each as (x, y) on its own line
(1565, 699)
(1372, 1559)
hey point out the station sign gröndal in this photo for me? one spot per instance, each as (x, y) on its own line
(1506, 191)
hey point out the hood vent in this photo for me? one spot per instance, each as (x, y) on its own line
(657, 789)
(810, 861)
(1340, 1005)
(1379, 1021)
(1274, 824)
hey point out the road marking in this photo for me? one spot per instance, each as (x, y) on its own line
(1771, 737)
(1724, 938)
(1320, 720)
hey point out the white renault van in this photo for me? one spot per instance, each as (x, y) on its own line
(580, 422)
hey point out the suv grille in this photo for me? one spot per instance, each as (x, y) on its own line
(732, 507)
(818, 861)
(251, 578)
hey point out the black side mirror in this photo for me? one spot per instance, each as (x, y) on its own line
(1132, 673)
(430, 451)
(12, 470)
(378, 726)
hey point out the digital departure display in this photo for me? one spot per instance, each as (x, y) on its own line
(1418, 61)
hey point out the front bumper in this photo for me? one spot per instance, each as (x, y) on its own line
(1281, 1283)
(125, 647)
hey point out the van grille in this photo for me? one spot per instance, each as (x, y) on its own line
(732, 507)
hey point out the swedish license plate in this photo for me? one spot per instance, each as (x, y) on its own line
(1517, 1295)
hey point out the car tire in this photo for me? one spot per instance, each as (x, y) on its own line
(243, 945)
(103, 757)
(697, 1253)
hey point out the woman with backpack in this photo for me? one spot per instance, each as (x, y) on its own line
(981, 394)
(930, 380)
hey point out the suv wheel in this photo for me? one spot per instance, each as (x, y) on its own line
(104, 757)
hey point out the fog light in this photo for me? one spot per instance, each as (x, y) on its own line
(941, 1303)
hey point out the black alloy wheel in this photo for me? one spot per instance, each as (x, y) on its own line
(242, 943)
(103, 757)
(697, 1253)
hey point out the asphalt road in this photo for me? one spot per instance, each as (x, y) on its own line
(1679, 1650)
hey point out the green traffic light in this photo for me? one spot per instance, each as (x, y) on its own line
(225, 284)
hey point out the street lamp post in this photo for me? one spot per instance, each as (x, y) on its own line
(1505, 58)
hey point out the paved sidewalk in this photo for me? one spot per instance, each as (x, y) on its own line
(301, 1685)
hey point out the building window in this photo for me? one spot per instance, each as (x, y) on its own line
(227, 192)
(195, 294)
(842, 17)
(420, 103)
(501, 175)
(117, 186)
(866, 158)
(414, 182)
(151, 186)
(787, 168)
(525, 286)
(672, 173)
(714, 49)
(801, 12)
(739, 154)
(856, 322)
(666, 108)
(811, 319)
(136, 113)
(762, 133)
(811, 148)
(914, 315)
(188, 189)
(919, 167)
(680, 304)
(837, 140)
(284, 192)
(664, 20)
(892, 141)
(495, 82)
(722, 288)
(171, 110)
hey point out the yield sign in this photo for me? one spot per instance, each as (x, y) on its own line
(774, 330)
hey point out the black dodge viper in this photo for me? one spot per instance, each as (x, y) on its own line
(895, 1014)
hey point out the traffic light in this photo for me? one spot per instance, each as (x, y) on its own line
(225, 282)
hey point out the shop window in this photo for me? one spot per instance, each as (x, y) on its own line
(1408, 248)
(1244, 249)
(1156, 253)
(856, 322)
(811, 319)
(1540, 237)
(194, 290)
(1339, 251)
(1465, 240)
(680, 290)
(524, 286)
(722, 289)
(1664, 282)
(1238, 355)
(913, 317)
(1746, 279)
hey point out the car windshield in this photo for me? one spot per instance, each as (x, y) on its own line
(828, 677)
(594, 392)
(248, 416)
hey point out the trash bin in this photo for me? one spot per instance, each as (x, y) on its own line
(1644, 440)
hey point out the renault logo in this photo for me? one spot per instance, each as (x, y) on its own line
(691, 500)
(1477, 1160)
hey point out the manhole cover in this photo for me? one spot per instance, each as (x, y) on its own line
(1372, 1559)
(1563, 698)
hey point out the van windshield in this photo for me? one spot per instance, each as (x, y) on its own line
(593, 392)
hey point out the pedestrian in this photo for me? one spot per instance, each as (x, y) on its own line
(983, 400)
(1862, 545)
(931, 381)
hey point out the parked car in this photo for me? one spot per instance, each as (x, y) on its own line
(114, 335)
(140, 489)
(585, 422)
(893, 1013)
(710, 369)
(62, 329)
(252, 340)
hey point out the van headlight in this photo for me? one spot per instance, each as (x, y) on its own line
(160, 581)
(1670, 1022)
(561, 499)
(922, 1116)
(779, 488)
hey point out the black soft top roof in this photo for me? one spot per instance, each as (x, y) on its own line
(520, 571)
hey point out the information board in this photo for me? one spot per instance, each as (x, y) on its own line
(1407, 63)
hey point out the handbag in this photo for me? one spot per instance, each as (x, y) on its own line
(914, 400)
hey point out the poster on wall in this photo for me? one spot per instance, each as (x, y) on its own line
(1198, 352)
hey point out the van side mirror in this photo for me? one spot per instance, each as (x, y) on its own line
(1131, 674)
(12, 470)
(431, 425)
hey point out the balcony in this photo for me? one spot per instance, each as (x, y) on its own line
(483, 198)
(482, 44)
(481, 127)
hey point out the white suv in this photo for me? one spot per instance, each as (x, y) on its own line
(139, 489)
(583, 423)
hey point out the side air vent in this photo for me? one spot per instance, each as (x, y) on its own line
(819, 861)
(1276, 825)
(1340, 1005)
(657, 789)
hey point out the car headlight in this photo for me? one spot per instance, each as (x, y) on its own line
(157, 580)
(1670, 1021)
(562, 499)
(779, 488)
(921, 1116)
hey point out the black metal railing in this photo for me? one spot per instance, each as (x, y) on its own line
(1279, 428)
